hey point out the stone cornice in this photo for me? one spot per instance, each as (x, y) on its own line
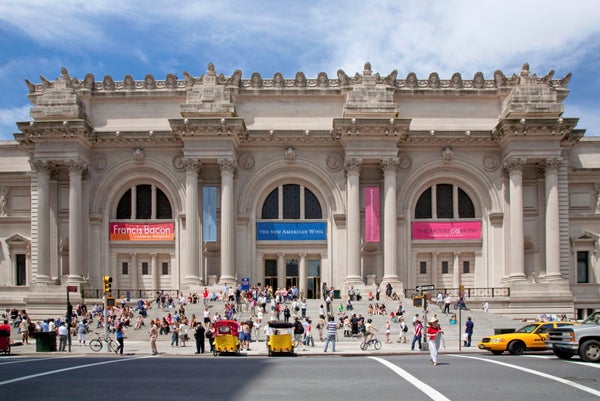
(560, 128)
(344, 128)
(256, 82)
(209, 127)
(35, 131)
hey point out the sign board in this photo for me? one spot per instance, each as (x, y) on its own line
(245, 284)
(142, 231)
(291, 231)
(71, 288)
(429, 287)
(446, 230)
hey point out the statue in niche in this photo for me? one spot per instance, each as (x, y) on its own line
(300, 80)
(108, 83)
(3, 201)
(597, 201)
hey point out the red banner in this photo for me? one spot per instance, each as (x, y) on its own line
(371, 214)
(142, 231)
(451, 230)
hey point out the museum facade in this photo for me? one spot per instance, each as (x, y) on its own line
(474, 184)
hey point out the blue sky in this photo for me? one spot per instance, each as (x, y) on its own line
(268, 36)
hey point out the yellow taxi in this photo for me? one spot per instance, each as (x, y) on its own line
(531, 337)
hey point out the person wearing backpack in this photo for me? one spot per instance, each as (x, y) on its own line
(298, 332)
(403, 330)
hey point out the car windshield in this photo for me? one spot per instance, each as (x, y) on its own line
(594, 318)
(527, 329)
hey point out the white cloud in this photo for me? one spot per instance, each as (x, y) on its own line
(8, 118)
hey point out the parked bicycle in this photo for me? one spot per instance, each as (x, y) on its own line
(96, 344)
(374, 342)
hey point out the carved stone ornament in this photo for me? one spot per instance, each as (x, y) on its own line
(192, 165)
(76, 166)
(99, 162)
(334, 162)
(290, 155)
(44, 166)
(551, 164)
(227, 165)
(389, 165)
(490, 162)
(3, 201)
(515, 164)
(246, 161)
(138, 155)
(352, 165)
(404, 162)
(447, 155)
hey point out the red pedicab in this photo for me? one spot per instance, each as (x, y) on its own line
(226, 337)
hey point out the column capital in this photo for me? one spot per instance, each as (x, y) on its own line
(227, 165)
(192, 165)
(389, 166)
(352, 165)
(76, 166)
(515, 164)
(44, 166)
(550, 164)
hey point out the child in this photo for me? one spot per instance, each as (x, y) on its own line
(387, 332)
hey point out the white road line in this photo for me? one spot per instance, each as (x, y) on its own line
(425, 388)
(537, 373)
(586, 364)
(21, 360)
(18, 379)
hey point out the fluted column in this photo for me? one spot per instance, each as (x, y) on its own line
(352, 167)
(76, 170)
(227, 167)
(390, 272)
(434, 268)
(456, 273)
(552, 219)
(516, 268)
(134, 271)
(44, 170)
(303, 273)
(155, 272)
(191, 268)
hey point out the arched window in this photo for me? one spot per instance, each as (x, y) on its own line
(297, 203)
(150, 202)
(444, 201)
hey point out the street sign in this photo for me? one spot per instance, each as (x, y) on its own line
(71, 288)
(429, 287)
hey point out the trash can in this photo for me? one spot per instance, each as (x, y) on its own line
(418, 301)
(45, 341)
(503, 331)
(336, 294)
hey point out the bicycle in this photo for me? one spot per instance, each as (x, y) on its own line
(96, 343)
(372, 342)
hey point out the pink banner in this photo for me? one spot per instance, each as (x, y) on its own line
(142, 231)
(371, 214)
(451, 230)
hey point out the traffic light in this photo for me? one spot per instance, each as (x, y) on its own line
(107, 284)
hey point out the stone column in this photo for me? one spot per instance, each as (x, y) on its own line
(44, 170)
(134, 271)
(434, 265)
(456, 274)
(227, 167)
(303, 272)
(552, 219)
(76, 170)
(280, 270)
(390, 245)
(113, 270)
(353, 275)
(191, 267)
(155, 273)
(516, 268)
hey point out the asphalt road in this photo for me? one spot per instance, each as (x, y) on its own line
(457, 377)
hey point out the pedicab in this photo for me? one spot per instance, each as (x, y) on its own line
(281, 339)
(226, 339)
(5, 338)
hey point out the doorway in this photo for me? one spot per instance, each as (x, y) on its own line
(291, 273)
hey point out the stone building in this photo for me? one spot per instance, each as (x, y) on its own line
(177, 184)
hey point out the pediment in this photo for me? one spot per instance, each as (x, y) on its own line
(18, 240)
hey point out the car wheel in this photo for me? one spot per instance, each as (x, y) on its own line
(516, 348)
(497, 352)
(589, 351)
(562, 354)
